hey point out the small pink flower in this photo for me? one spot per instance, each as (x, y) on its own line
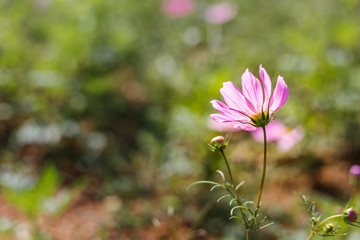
(277, 132)
(178, 8)
(290, 138)
(252, 107)
(220, 13)
(355, 171)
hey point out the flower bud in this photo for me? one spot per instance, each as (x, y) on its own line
(218, 143)
(328, 228)
(350, 215)
(217, 140)
(315, 220)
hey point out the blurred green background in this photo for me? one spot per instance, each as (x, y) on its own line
(104, 107)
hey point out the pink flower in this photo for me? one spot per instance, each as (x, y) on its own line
(355, 171)
(290, 138)
(178, 8)
(252, 107)
(220, 13)
(276, 131)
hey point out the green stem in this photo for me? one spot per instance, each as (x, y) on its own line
(264, 170)
(228, 166)
(311, 235)
(323, 221)
(329, 218)
(248, 234)
(237, 196)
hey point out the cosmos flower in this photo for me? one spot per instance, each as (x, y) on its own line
(254, 106)
(178, 8)
(220, 13)
(276, 131)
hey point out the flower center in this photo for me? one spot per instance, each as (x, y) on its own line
(261, 119)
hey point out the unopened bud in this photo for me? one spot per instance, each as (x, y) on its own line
(329, 228)
(218, 142)
(315, 220)
(350, 215)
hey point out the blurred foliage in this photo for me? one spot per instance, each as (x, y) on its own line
(119, 92)
(42, 196)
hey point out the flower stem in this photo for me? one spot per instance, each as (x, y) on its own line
(248, 231)
(228, 166)
(329, 218)
(311, 235)
(264, 170)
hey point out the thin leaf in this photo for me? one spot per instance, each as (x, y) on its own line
(267, 225)
(221, 174)
(303, 198)
(263, 220)
(210, 147)
(201, 182)
(235, 217)
(222, 197)
(237, 207)
(247, 203)
(218, 185)
(239, 185)
(230, 203)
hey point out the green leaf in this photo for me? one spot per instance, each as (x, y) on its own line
(247, 203)
(237, 207)
(239, 185)
(267, 225)
(221, 174)
(225, 196)
(219, 185)
(30, 200)
(202, 182)
(235, 217)
(303, 198)
(232, 200)
(48, 183)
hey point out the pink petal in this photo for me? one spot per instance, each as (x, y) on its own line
(247, 127)
(230, 114)
(264, 76)
(221, 126)
(235, 99)
(280, 95)
(243, 127)
(252, 90)
(220, 118)
(236, 125)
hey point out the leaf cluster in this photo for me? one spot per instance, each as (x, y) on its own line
(241, 209)
(335, 225)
